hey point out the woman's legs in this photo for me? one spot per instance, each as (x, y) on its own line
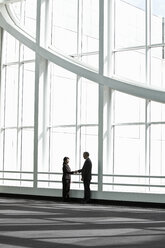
(66, 189)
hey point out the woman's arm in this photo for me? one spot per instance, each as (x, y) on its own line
(67, 170)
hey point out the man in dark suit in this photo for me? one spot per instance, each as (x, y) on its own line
(86, 176)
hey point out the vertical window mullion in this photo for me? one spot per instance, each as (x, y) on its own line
(77, 122)
(78, 82)
(110, 71)
(148, 81)
(36, 98)
(19, 115)
(4, 130)
(20, 128)
(4, 71)
(101, 95)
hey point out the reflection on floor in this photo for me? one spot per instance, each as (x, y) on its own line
(42, 223)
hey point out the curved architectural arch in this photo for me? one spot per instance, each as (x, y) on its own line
(8, 1)
(142, 91)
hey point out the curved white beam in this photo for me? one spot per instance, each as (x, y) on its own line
(8, 1)
(139, 90)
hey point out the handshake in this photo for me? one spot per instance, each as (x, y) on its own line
(75, 172)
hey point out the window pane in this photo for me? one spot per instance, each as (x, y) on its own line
(16, 8)
(63, 96)
(28, 54)
(25, 15)
(129, 23)
(28, 93)
(10, 49)
(90, 26)
(3, 97)
(11, 103)
(157, 159)
(91, 59)
(158, 67)
(30, 16)
(88, 97)
(157, 15)
(89, 143)
(128, 108)
(79, 22)
(129, 156)
(130, 65)
(157, 111)
(62, 144)
(27, 150)
(1, 149)
(10, 151)
(64, 26)
(136, 3)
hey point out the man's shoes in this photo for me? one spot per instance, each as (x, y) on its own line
(66, 199)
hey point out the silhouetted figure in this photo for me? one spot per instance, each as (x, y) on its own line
(86, 176)
(66, 178)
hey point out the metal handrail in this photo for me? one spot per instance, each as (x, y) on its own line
(138, 176)
(136, 185)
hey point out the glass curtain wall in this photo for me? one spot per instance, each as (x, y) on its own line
(72, 126)
(75, 29)
(68, 104)
(24, 15)
(17, 114)
(137, 128)
(69, 119)
(72, 101)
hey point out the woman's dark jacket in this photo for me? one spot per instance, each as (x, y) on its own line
(66, 172)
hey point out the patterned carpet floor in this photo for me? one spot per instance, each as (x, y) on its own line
(27, 223)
